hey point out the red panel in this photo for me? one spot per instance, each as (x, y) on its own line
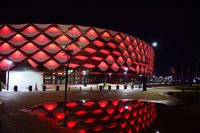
(103, 104)
(71, 124)
(89, 103)
(116, 53)
(6, 32)
(59, 116)
(135, 44)
(137, 50)
(41, 40)
(133, 56)
(71, 104)
(6, 48)
(88, 65)
(127, 40)
(72, 65)
(51, 65)
(32, 63)
(138, 69)
(53, 31)
(29, 48)
(50, 106)
(17, 56)
(106, 36)
(97, 58)
(98, 43)
(130, 49)
(139, 57)
(4, 65)
(112, 45)
(104, 51)
(80, 57)
(17, 40)
(120, 60)
(105, 118)
(90, 120)
(52, 48)
(73, 47)
(129, 62)
(110, 111)
(30, 31)
(40, 56)
(80, 112)
(103, 66)
(82, 42)
(91, 34)
(62, 57)
(115, 67)
(118, 38)
(122, 46)
(115, 102)
(125, 54)
(90, 50)
(97, 111)
(74, 32)
(110, 59)
(63, 40)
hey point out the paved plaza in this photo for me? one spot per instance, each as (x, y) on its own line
(12, 120)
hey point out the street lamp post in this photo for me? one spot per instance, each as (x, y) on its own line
(154, 44)
(8, 74)
(68, 53)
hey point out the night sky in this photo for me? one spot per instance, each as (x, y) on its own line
(173, 25)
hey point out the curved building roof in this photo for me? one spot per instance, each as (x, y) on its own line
(44, 45)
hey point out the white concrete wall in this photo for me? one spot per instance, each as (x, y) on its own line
(25, 78)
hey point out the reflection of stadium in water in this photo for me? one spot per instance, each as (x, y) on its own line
(99, 116)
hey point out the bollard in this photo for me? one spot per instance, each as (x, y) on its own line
(30, 88)
(91, 88)
(69, 88)
(15, 88)
(109, 87)
(132, 86)
(80, 88)
(57, 88)
(100, 87)
(97, 87)
(0, 88)
(44, 88)
(117, 87)
(125, 86)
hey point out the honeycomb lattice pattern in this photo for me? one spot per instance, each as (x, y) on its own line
(99, 116)
(42, 45)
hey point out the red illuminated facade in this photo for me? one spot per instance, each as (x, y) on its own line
(97, 50)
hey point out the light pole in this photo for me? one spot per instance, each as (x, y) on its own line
(9, 62)
(154, 45)
(68, 53)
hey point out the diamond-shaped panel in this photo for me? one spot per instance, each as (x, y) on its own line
(17, 56)
(40, 56)
(6, 48)
(52, 48)
(103, 66)
(30, 31)
(17, 40)
(51, 65)
(41, 40)
(29, 48)
(6, 32)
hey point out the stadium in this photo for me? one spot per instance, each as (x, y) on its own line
(36, 54)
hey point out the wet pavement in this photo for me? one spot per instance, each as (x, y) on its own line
(12, 120)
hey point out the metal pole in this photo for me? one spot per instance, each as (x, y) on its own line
(8, 78)
(66, 86)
